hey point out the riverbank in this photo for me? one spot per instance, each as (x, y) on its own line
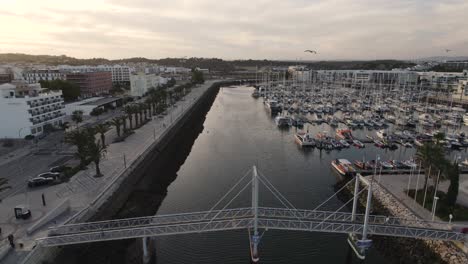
(406, 250)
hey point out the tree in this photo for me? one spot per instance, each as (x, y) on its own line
(117, 122)
(197, 77)
(171, 82)
(124, 123)
(454, 175)
(439, 137)
(70, 90)
(77, 116)
(101, 129)
(4, 185)
(129, 110)
(431, 156)
(96, 151)
(80, 138)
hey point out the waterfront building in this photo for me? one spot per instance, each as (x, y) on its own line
(28, 109)
(120, 73)
(91, 83)
(140, 83)
(36, 75)
(6, 77)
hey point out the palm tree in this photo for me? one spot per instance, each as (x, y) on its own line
(4, 185)
(77, 116)
(431, 156)
(439, 137)
(124, 123)
(116, 121)
(462, 90)
(96, 151)
(150, 103)
(129, 110)
(80, 138)
(102, 129)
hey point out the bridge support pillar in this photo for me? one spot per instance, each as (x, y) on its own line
(146, 255)
(355, 200)
(255, 239)
(465, 245)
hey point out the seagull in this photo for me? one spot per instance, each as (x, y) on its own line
(310, 51)
(447, 50)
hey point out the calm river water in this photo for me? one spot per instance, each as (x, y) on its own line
(238, 133)
(207, 161)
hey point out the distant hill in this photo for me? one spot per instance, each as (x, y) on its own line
(214, 64)
(444, 58)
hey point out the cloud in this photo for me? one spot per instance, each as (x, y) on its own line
(272, 29)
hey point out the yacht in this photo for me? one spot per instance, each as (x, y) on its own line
(344, 167)
(283, 121)
(358, 143)
(273, 106)
(344, 134)
(381, 134)
(304, 139)
(344, 143)
(255, 94)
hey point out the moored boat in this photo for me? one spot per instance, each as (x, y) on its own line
(304, 139)
(343, 167)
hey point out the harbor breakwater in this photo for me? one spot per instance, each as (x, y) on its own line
(399, 249)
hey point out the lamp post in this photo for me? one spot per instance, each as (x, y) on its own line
(434, 208)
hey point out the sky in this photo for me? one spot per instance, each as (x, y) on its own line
(236, 29)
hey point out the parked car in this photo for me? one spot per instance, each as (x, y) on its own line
(43, 179)
(59, 169)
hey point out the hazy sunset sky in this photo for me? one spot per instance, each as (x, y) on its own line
(236, 29)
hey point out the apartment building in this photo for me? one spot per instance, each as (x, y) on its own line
(141, 83)
(91, 83)
(36, 75)
(27, 109)
(120, 73)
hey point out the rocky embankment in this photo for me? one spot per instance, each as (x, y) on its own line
(407, 250)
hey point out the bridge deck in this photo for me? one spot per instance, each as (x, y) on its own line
(231, 219)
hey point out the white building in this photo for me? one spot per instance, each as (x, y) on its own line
(120, 73)
(141, 83)
(35, 75)
(25, 109)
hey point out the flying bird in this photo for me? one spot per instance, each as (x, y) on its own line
(447, 50)
(310, 51)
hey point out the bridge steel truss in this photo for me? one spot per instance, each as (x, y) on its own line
(263, 212)
(251, 218)
(247, 223)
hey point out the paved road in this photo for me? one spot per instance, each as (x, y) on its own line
(33, 159)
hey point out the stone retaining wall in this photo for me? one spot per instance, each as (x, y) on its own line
(407, 250)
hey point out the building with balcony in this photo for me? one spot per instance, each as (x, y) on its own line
(27, 109)
(141, 83)
(91, 83)
(35, 75)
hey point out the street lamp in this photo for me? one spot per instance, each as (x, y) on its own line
(434, 207)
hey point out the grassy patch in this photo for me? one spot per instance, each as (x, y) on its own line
(459, 212)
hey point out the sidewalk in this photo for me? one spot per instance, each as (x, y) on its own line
(397, 184)
(83, 188)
